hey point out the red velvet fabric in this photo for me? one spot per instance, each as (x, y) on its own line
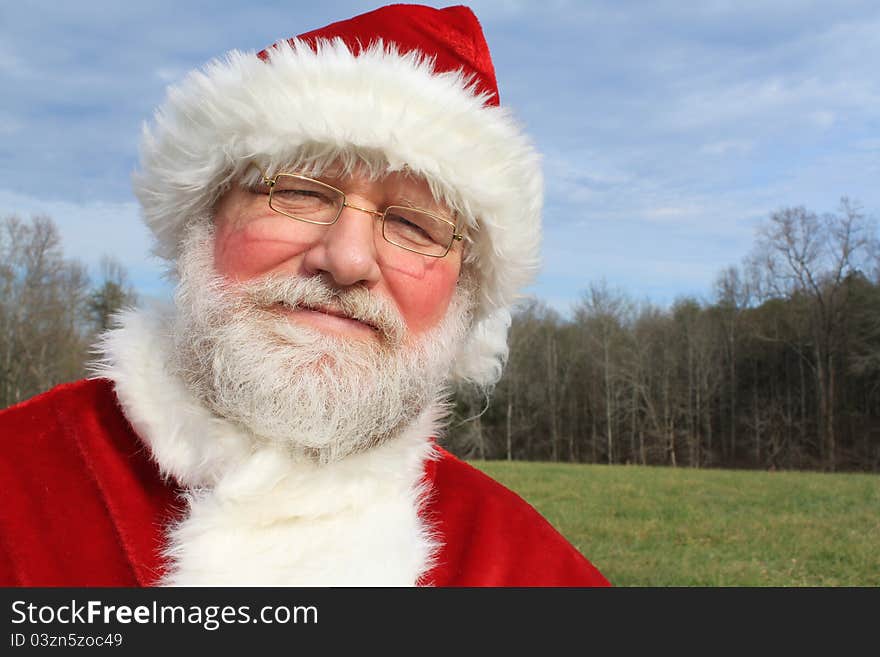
(492, 537)
(451, 36)
(83, 505)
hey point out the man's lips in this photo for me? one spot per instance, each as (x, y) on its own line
(333, 318)
(328, 310)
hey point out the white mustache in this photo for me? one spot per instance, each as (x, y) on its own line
(316, 293)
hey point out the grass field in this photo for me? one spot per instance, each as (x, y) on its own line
(684, 527)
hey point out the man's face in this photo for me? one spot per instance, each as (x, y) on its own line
(253, 241)
(321, 340)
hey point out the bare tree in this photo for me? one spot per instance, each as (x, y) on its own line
(40, 311)
(602, 313)
(810, 257)
(645, 370)
(48, 313)
(114, 292)
(733, 295)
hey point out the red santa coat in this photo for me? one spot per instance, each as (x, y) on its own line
(85, 505)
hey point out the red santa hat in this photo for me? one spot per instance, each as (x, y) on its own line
(411, 85)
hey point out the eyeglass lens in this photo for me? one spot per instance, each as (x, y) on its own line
(314, 202)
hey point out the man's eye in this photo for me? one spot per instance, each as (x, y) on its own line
(404, 228)
(304, 194)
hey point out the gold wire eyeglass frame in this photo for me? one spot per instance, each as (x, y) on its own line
(272, 181)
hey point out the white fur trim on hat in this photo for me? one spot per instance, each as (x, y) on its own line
(243, 109)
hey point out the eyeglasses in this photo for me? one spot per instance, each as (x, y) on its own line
(316, 202)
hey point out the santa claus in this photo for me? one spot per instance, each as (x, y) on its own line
(348, 216)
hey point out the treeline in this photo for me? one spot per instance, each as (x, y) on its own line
(50, 309)
(780, 368)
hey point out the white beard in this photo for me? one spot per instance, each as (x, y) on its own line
(311, 394)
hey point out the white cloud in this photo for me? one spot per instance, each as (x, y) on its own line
(822, 118)
(10, 125)
(673, 213)
(870, 144)
(12, 64)
(167, 74)
(728, 147)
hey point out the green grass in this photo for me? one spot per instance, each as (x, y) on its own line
(683, 527)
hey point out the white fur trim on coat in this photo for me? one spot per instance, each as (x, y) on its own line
(256, 517)
(244, 109)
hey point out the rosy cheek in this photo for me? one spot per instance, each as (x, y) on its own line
(255, 249)
(424, 299)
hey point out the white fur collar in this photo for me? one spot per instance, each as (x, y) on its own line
(257, 517)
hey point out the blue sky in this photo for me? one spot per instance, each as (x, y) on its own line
(669, 130)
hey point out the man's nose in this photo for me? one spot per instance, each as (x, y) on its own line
(347, 250)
